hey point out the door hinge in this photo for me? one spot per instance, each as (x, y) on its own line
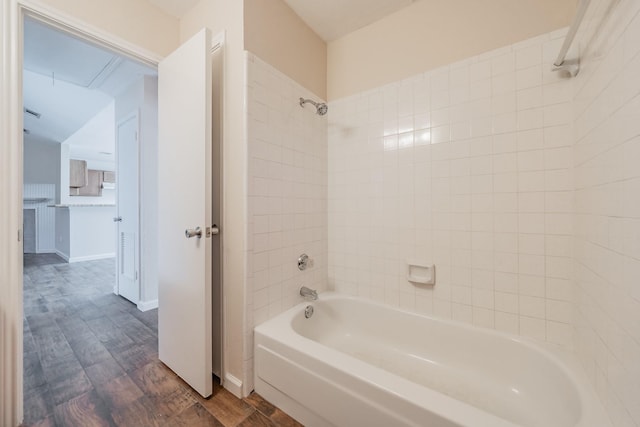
(136, 276)
(19, 234)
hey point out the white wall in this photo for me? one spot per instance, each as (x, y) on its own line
(149, 189)
(606, 152)
(287, 213)
(42, 164)
(78, 237)
(142, 97)
(93, 234)
(97, 135)
(467, 167)
(45, 215)
(42, 180)
(63, 233)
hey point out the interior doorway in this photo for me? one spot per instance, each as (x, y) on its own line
(88, 322)
(80, 31)
(76, 95)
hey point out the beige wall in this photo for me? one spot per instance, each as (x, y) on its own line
(227, 16)
(136, 21)
(277, 35)
(433, 33)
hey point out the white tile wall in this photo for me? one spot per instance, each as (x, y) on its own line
(606, 154)
(521, 187)
(287, 188)
(467, 167)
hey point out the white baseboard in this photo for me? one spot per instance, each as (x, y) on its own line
(233, 384)
(147, 305)
(90, 257)
(62, 255)
(47, 251)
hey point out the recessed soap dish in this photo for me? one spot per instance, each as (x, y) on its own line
(423, 274)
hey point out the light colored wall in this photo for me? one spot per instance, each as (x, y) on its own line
(63, 233)
(606, 152)
(276, 34)
(287, 213)
(136, 21)
(467, 167)
(45, 216)
(42, 164)
(429, 34)
(227, 16)
(85, 233)
(149, 189)
(97, 134)
(93, 233)
(141, 96)
(42, 180)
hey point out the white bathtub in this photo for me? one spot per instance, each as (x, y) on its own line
(358, 363)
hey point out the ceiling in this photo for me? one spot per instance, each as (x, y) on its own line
(176, 8)
(68, 81)
(330, 19)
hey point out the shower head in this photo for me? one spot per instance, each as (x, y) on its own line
(321, 107)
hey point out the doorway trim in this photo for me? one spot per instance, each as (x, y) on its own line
(12, 15)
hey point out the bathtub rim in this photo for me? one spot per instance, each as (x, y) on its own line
(280, 329)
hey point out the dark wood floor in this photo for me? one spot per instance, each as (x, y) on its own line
(91, 359)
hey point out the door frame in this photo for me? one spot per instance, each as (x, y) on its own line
(12, 15)
(135, 115)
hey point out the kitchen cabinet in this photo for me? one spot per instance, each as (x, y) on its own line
(78, 173)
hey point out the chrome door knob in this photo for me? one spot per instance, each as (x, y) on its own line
(190, 232)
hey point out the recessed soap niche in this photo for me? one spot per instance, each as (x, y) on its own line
(421, 273)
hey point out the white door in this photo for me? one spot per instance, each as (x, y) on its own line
(128, 248)
(184, 204)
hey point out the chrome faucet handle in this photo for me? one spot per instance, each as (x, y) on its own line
(308, 294)
(303, 262)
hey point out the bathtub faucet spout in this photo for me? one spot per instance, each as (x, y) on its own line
(308, 294)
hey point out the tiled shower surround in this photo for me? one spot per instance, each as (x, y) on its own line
(467, 167)
(287, 204)
(606, 156)
(523, 189)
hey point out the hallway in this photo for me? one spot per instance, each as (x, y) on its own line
(91, 358)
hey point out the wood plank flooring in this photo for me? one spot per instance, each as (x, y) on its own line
(91, 359)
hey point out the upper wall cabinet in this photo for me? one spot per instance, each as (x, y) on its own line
(94, 186)
(88, 182)
(108, 176)
(78, 173)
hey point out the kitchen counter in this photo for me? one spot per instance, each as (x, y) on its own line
(85, 231)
